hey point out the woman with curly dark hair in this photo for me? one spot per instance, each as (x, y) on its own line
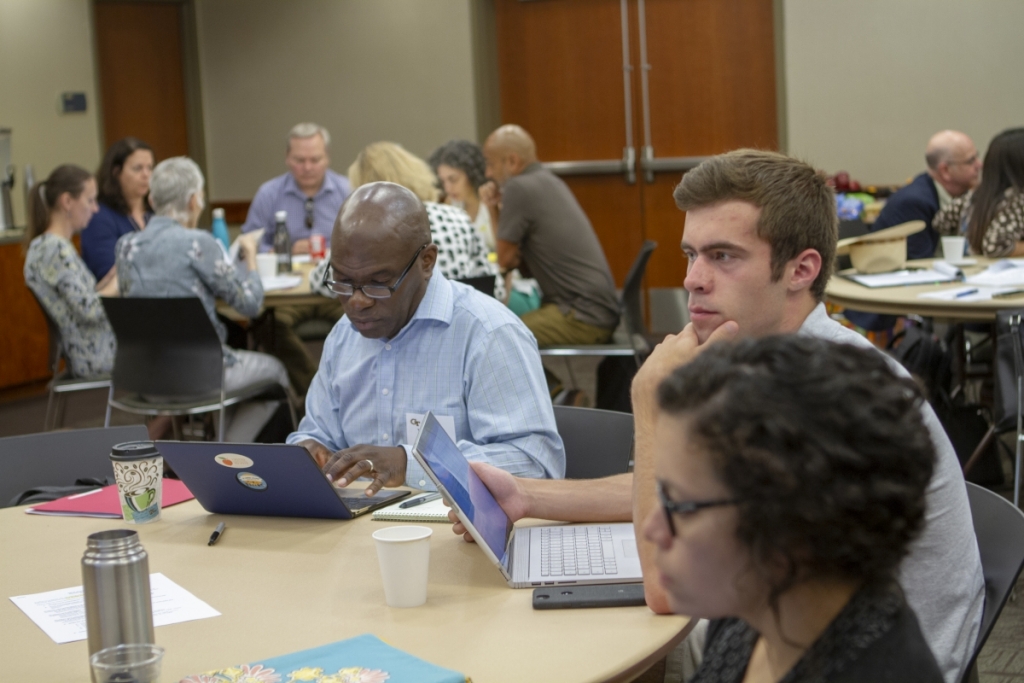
(123, 181)
(792, 475)
(459, 165)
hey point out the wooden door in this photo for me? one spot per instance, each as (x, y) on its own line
(141, 74)
(571, 73)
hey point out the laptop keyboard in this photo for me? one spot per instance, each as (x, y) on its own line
(576, 551)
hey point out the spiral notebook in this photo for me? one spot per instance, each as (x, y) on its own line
(434, 511)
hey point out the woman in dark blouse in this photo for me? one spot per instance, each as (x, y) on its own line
(792, 474)
(123, 181)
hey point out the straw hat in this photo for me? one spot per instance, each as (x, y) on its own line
(882, 251)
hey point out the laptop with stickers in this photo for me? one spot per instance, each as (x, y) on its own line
(528, 556)
(267, 480)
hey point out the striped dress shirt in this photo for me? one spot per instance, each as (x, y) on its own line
(463, 355)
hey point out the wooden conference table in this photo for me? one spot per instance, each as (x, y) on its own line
(284, 585)
(905, 301)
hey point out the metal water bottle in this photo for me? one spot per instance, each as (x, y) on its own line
(115, 582)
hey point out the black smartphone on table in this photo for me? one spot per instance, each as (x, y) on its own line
(578, 597)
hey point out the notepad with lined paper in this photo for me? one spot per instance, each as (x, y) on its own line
(434, 511)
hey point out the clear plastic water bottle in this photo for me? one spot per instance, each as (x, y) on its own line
(220, 228)
(282, 243)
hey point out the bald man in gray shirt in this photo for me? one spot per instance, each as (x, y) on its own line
(542, 228)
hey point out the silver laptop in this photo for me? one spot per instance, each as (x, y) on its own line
(530, 556)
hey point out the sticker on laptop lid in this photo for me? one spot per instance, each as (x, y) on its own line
(233, 460)
(252, 481)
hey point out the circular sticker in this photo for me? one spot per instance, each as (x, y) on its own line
(252, 481)
(233, 460)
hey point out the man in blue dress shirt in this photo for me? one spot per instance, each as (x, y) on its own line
(413, 341)
(310, 194)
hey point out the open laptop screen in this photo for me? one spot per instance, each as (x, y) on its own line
(452, 469)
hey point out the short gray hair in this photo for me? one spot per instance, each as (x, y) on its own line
(307, 130)
(172, 185)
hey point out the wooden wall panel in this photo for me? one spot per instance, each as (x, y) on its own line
(139, 50)
(712, 76)
(24, 339)
(560, 66)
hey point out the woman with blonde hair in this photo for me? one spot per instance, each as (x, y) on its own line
(460, 251)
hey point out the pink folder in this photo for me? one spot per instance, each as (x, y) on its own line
(104, 502)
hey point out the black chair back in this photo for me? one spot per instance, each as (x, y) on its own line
(59, 458)
(999, 527)
(482, 283)
(598, 443)
(165, 347)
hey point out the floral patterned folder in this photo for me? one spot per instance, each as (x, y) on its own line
(363, 659)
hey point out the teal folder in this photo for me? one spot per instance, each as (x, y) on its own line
(363, 659)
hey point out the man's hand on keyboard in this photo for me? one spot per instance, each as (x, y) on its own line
(506, 489)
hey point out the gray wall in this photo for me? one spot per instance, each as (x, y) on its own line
(868, 82)
(46, 49)
(368, 70)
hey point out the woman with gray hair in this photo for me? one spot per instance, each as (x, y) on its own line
(173, 259)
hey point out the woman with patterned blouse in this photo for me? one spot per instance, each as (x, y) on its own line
(792, 474)
(62, 206)
(992, 215)
(170, 258)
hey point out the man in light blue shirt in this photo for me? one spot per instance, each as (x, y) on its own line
(413, 341)
(311, 195)
(310, 192)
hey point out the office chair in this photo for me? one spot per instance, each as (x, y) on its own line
(170, 362)
(999, 527)
(59, 458)
(63, 381)
(598, 443)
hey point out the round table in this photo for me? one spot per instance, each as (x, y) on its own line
(904, 300)
(284, 585)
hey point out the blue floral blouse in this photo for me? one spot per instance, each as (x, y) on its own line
(168, 260)
(67, 290)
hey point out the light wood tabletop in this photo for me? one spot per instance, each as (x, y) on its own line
(300, 295)
(284, 585)
(905, 300)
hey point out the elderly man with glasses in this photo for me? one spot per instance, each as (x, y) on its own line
(411, 342)
(310, 194)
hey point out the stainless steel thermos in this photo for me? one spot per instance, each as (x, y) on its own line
(115, 581)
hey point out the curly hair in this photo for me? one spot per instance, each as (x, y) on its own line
(463, 155)
(822, 444)
(108, 176)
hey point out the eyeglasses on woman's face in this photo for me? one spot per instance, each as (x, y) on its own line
(682, 508)
(371, 291)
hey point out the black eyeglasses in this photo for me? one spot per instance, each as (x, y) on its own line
(309, 213)
(688, 508)
(969, 161)
(372, 291)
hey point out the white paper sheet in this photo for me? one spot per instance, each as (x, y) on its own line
(1005, 272)
(902, 278)
(280, 282)
(61, 613)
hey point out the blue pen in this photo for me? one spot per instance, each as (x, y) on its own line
(966, 292)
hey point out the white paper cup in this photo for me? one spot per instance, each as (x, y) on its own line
(404, 556)
(953, 248)
(266, 264)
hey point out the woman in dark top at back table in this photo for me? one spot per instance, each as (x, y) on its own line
(792, 475)
(123, 181)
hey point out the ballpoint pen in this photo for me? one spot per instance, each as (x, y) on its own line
(419, 501)
(966, 292)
